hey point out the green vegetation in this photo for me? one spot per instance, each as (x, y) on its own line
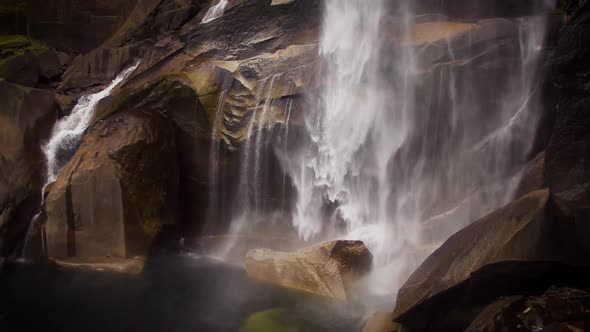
(273, 320)
(14, 45)
(17, 7)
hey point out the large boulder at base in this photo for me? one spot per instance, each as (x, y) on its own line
(517, 232)
(331, 269)
(26, 118)
(117, 191)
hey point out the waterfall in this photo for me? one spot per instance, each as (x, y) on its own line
(215, 11)
(68, 131)
(66, 136)
(400, 155)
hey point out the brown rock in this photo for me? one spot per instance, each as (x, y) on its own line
(331, 269)
(382, 322)
(26, 118)
(117, 190)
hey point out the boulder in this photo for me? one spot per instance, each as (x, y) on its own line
(382, 322)
(517, 232)
(331, 269)
(117, 191)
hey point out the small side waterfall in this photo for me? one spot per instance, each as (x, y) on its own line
(68, 131)
(215, 11)
(66, 136)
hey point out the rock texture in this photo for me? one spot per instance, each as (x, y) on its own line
(117, 191)
(568, 152)
(516, 232)
(26, 118)
(330, 270)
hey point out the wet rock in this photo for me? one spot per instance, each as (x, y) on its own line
(516, 232)
(117, 191)
(131, 266)
(331, 269)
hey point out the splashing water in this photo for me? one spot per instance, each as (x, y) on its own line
(68, 131)
(215, 11)
(402, 154)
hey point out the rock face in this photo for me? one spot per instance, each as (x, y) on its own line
(491, 275)
(331, 269)
(117, 191)
(26, 118)
(568, 153)
(76, 25)
(517, 232)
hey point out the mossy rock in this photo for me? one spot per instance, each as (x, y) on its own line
(276, 320)
(12, 46)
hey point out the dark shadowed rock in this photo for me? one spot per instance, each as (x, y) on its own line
(568, 153)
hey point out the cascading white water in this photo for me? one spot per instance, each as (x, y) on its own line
(67, 132)
(215, 11)
(404, 155)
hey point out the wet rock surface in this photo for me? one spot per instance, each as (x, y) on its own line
(330, 270)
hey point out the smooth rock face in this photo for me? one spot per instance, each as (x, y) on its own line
(117, 191)
(513, 233)
(330, 269)
(26, 118)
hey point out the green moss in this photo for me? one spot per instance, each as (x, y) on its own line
(273, 320)
(17, 7)
(562, 5)
(30, 45)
